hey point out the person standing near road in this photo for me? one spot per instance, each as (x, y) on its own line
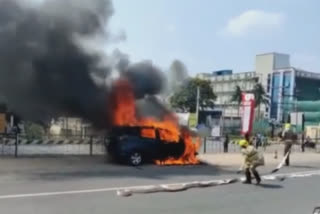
(308, 142)
(303, 143)
(252, 159)
(257, 141)
(248, 139)
(226, 144)
(264, 142)
(288, 138)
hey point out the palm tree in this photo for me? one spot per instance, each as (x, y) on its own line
(260, 96)
(236, 97)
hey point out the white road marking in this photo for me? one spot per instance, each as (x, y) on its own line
(43, 194)
(57, 193)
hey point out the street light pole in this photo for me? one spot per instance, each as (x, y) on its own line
(296, 108)
(197, 106)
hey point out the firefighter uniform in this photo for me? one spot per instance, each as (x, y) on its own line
(252, 159)
(288, 138)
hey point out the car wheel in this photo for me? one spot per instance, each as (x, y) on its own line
(135, 158)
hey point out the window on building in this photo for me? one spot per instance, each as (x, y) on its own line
(286, 94)
(251, 84)
(268, 83)
(232, 86)
(242, 85)
(307, 88)
(226, 87)
(275, 93)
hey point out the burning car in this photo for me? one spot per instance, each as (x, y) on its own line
(135, 138)
(137, 145)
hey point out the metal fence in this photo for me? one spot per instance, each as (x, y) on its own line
(215, 145)
(20, 145)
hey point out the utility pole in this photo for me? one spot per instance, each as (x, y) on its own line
(296, 108)
(197, 106)
(223, 115)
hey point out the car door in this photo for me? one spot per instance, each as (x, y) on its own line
(150, 143)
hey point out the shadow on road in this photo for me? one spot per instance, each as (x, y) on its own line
(78, 167)
(304, 167)
(146, 171)
(270, 186)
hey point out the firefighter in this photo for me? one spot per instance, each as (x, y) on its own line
(248, 138)
(288, 136)
(252, 160)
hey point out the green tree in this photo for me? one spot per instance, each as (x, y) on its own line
(34, 131)
(260, 96)
(185, 98)
(236, 97)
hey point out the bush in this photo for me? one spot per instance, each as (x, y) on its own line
(34, 131)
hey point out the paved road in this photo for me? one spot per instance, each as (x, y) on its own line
(47, 175)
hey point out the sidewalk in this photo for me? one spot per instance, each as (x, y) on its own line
(235, 159)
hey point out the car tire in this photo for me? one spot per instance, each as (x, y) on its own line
(135, 158)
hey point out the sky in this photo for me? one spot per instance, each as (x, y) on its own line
(209, 35)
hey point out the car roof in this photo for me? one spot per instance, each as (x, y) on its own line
(132, 130)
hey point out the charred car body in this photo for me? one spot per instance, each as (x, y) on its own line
(137, 145)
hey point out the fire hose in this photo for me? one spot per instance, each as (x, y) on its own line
(201, 184)
(211, 183)
(174, 187)
(280, 165)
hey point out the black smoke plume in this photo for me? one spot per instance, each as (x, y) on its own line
(146, 79)
(47, 66)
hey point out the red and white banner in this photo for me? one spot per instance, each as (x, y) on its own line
(247, 107)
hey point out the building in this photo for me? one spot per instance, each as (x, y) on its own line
(267, 63)
(291, 89)
(284, 84)
(224, 83)
(69, 126)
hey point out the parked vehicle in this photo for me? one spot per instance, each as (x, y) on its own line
(310, 145)
(137, 145)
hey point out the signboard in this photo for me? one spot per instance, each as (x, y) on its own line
(183, 118)
(193, 120)
(247, 107)
(3, 123)
(203, 131)
(215, 131)
(296, 118)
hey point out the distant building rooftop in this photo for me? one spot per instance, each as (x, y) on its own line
(222, 72)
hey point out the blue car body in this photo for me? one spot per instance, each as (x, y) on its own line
(126, 141)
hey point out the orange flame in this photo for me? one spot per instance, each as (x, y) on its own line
(124, 114)
(189, 155)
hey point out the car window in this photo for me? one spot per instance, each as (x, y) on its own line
(168, 136)
(148, 133)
